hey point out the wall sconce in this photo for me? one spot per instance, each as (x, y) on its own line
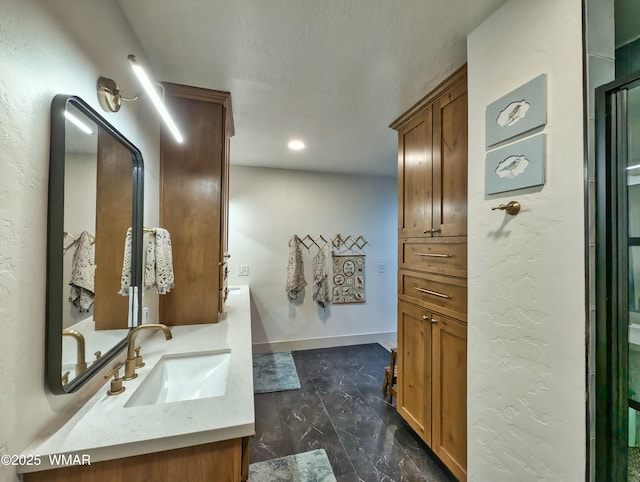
(110, 97)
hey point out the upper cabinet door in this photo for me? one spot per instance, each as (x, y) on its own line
(450, 161)
(415, 175)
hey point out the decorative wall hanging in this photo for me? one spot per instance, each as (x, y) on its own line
(348, 278)
(522, 110)
(515, 166)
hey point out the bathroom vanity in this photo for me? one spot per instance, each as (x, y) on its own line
(179, 432)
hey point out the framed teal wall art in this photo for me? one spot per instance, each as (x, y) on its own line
(515, 166)
(520, 111)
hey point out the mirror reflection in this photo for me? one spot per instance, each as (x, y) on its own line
(100, 172)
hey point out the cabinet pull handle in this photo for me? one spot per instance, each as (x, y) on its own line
(433, 255)
(434, 321)
(425, 317)
(432, 231)
(429, 292)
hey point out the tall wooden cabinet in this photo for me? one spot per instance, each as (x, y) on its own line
(432, 275)
(194, 193)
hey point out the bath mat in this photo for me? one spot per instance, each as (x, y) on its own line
(311, 466)
(274, 372)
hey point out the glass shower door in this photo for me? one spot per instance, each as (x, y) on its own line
(617, 346)
(631, 151)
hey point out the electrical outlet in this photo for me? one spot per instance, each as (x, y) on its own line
(145, 314)
(380, 267)
(243, 270)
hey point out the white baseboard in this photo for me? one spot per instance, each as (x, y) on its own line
(387, 340)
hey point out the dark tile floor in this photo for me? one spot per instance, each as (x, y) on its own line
(341, 409)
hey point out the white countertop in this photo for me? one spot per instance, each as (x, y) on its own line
(105, 429)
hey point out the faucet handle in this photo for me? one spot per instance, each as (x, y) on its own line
(98, 354)
(65, 378)
(139, 362)
(116, 383)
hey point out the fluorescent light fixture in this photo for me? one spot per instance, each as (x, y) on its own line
(296, 145)
(78, 123)
(635, 166)
(155, 98)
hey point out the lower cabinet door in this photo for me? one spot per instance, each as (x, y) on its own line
(414, 368)
(449, 393)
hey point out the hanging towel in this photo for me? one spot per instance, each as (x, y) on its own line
(125, 282)
(295, 269)
(150, 262)
(83, 272)
(158, 271)
(321, 292)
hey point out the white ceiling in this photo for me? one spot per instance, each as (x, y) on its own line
(334, 73)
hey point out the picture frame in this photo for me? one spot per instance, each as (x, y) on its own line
(520, 111)
(516, 166)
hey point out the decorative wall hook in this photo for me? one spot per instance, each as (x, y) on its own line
(347, 242)
(512, 207)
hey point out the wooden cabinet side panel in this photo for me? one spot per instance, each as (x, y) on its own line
(450, 141)
(114, 216)
(449, 437)
(191, 190)
(414, 369)
(219, 461)
(415, 176)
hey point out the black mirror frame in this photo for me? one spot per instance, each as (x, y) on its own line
(55, 242)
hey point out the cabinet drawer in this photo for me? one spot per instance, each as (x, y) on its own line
(442, 256)
(443, 294)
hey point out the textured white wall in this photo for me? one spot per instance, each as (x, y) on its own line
(526, 379)
(47, 48)
(268, 206)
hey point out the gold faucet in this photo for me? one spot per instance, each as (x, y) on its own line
(81, 364)
(134, 359)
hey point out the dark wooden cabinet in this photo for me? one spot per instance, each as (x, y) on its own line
(194, 191)
(414, 368)
(449, 393)
(226, 461)
(415, 175)
(114, 201)
(432, 163)
(432, 275)
(432, 381)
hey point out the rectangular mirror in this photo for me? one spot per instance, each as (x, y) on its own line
(94, 225)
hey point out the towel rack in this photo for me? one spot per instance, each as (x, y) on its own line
(74, 241)
(348, 242)
(309, 241)
(338, 242)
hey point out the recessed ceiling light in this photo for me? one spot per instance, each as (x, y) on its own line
(296, 145)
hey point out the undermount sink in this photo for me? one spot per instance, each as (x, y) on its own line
(184, 376)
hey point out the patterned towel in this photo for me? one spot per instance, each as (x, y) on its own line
(158, 271)
(321, 291)
(295, 269)
(125, 280)
(83, 273)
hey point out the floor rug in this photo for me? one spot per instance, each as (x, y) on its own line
(311, 466)
(274, 372)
